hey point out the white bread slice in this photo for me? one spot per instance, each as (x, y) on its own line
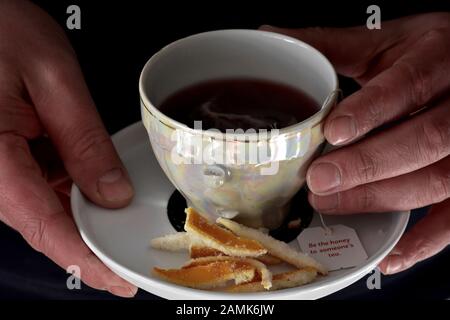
(200, 251)
(275, 247)
(182, 241)
(172, 242)
(280, 281)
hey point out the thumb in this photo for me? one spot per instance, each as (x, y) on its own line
(350, 50)
(66, 110)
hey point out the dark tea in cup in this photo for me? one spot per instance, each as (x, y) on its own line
(239, 104)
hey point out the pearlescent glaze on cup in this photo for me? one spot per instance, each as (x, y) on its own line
(234, 189)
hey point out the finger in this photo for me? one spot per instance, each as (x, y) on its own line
(68, 113)
(409, 146)
(413, 80)
(17, 115)
(426, 238)
(417, 189)
(350, 50)
(361, 53)
(31, 207)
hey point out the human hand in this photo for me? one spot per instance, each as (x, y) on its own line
(42, 92)
(402, 68)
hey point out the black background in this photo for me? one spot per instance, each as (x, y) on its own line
(115, 41)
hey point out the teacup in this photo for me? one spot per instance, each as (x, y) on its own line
(256, 193)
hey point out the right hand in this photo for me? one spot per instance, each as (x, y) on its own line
(396, 129)
(43, 93)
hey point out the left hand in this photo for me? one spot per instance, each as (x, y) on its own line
(402, 68)
(49, 124)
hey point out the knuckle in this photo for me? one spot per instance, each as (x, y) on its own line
(441, 19)
(52, 72)
(367, 198)
(374, 106)
(426, 247)
(10, 143)
(439, 185)
(437, 35)
(425, 195)
(433, 140)
(18, 117)
(56, 71)
(317, 32)
(33, 231)
(91, 274)
(54, 65)
(407, 154)
(37, 231)
(88, 143)
(15, 148)
(365, 166)
(420, 84)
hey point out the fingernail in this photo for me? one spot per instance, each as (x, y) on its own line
(125, 292)
(114, 186)
(324, 203)
(323, 177)
(266, 27)
(341, 130)
(395, 252)
(394, 264)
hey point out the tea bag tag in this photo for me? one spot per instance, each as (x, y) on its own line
(336, 247)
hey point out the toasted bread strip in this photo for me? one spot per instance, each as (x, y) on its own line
(269, 259)
(181, 241)
(196, 251)
(280, 281)
(172, 242)
(264, 275)
(219, 238)
(275, 247)
(208, 275)
(199, 251)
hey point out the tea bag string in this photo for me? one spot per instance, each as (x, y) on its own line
(340, 94)
(327, 229)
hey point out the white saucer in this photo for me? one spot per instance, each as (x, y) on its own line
(120, 238)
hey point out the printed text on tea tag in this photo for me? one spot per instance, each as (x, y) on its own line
(337, 247)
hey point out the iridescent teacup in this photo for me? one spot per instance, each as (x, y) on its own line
(250, 177)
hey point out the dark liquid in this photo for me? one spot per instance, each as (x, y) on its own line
(239, 104)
